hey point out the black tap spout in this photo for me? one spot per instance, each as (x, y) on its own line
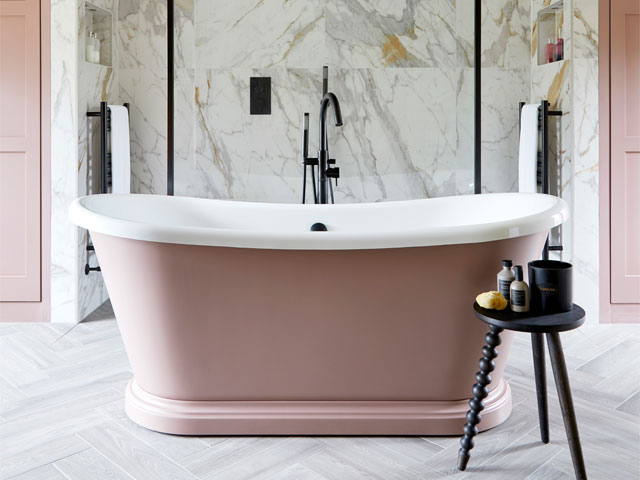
(329, 100)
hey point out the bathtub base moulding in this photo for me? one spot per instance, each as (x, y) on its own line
(306, 417)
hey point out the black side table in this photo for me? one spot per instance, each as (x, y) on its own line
(537, 325)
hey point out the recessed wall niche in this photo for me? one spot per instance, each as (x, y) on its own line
(550, 22)
(97, 35)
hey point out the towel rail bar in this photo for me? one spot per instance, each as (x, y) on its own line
(105, 168)
(543, 119)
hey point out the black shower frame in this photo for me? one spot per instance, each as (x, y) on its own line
(477, 112)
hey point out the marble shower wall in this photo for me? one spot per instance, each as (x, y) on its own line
(402, 71)
(142, 82)
(96, 83)
(64, 155)
(76, 87)
(393, 68)
(586, 153)
(572, 86)
(506, 79)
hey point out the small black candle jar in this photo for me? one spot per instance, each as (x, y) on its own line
(551, 286)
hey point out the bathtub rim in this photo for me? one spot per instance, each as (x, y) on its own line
(83, 216)
(181, 417)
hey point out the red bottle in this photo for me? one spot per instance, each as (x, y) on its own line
(559, 50)
(549, 51)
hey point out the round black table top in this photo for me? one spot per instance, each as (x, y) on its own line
(529, 322)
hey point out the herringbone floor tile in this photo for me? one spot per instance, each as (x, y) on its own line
(62, 418)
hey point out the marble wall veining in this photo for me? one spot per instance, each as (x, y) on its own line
(142, 82)
(96, 83)
(64, 155)
(411, 34)
(586, 153)
(382, 149)
(506, 78)
(76, 87)
(401, 70)
(572, 86)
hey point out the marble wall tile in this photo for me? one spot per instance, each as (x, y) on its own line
(250, 34)
(500, 132)
(465, 132)
(385, 153)
(142, 35)
(184, 125)
(506, 33)
(586, 185)
(146, 92)
(96, 84)
(398, 141)
(407, 33)
(107, 5)
(64, 154)
(399, 132)
(227, 153)
(184, 34)
(500, 129)
(239, 153)
(585, 29)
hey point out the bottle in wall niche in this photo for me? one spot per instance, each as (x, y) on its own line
(559, 50)
(549, 50)
(505, 277)
(88, 47)
(96, 48)
(519, 292)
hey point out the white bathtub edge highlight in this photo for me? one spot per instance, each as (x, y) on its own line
(411, 223)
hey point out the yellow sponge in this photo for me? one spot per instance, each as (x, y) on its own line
(492, 300)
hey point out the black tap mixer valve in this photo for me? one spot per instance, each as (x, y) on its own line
(333, 172)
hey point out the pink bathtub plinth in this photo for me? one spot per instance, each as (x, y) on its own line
(226, 340)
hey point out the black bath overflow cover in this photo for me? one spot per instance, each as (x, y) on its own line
(318, 227)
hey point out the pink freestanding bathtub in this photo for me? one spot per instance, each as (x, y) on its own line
(239, 320)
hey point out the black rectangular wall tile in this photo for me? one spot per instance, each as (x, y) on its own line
(260, 88)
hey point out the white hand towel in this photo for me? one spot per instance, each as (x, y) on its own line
(120, 153)
(528, 157)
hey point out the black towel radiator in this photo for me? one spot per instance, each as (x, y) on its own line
(105, 165)
(543, 124)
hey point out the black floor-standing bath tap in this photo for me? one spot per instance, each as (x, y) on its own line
(325, 171)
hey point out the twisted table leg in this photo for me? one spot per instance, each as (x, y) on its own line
(480, 392)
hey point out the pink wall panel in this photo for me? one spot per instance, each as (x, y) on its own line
(625, 151)
(13, 94)
(632, 220)
(13, 212)
(20, 143)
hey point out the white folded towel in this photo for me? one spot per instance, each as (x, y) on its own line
(528, 157)
(120, 152)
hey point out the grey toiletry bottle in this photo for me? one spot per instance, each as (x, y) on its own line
(519, 292)
(505, 277)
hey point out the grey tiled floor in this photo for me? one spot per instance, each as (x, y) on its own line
(61, 417)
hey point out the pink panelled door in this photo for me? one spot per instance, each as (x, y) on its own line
(625, 151)
(20, 151)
